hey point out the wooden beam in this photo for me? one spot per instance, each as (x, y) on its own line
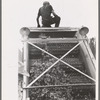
(52, 29)
(25, 78)
(47, 86)
(88, 57)
(55, 40)
(25, 32)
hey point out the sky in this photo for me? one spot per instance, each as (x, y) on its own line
(22, 13)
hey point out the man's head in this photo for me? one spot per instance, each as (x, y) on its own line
(46, 3)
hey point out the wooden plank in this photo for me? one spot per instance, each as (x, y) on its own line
(52, 29)
(26, 67)
(55, 40)
(47, 86)
(88, 57)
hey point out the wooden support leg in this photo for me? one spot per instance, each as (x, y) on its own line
(25, 32)
(25, 78)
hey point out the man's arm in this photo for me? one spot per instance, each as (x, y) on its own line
(38, 25)
(54, 13)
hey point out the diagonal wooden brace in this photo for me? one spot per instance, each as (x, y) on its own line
(62, 61)
(57, 62)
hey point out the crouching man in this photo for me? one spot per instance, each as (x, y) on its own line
(47, 20)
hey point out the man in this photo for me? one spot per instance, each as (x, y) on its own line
(45, 12)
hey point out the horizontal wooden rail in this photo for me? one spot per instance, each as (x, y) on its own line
(47, 86)
(55, 40)
(52, 29)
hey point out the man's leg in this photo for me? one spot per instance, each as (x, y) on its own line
(57, 21)
(48, 23)
(45, 23)
(46, 26)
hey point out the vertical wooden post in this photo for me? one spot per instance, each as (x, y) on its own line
(86, 52)
(25, 32)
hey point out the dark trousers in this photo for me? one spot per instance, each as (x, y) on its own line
(48, 22)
